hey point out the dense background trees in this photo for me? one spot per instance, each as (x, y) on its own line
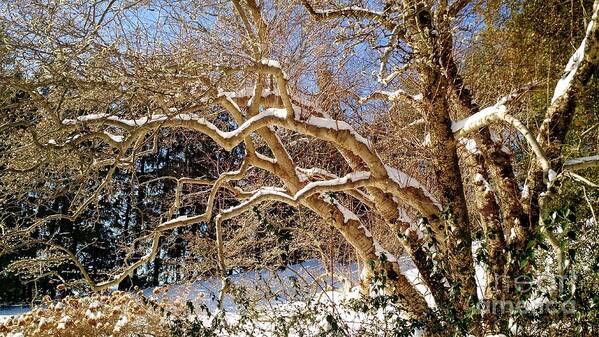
(149, 143)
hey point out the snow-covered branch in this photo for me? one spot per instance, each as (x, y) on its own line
(315, 172)
(350, 181)
(393, 96)
(227, 139)
(338, 132)
(343, 135)
(583, 53)
(498, 112)
(348, 12)
(581, 163)
(384, 59)
(488, 115)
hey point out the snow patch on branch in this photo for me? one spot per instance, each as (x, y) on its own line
(332, 124)
(272, 190)
(392, 96)
(278, 113)
(415, 226)
(479, 119)
(379, 251)
(551, 175)
(91, 117)
(405, 180)
(525, 192)
(352, 177)
(271, 63)
(427, 140)
(416, 122)
(129, 122)
(181, 218)
(565, 82)
(347, 10)
(470, 145)
(480, 179)
(265, 158)
(395, 95)
(479, 268)
(357, 9)
(316, 171)
(581, 162)
(265, 191)
(115, 138)
(403, 215)
(347, 214)
(274, 64)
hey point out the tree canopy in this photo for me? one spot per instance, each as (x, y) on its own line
(147, 142)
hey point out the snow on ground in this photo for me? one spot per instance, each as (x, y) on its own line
(8, 312)
(279, 286)
(288, 291)
(282, 285)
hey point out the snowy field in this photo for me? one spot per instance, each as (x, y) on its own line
(310, 275)
(7, 312)
(286, 291)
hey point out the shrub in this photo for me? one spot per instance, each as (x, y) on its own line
(117, 314)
